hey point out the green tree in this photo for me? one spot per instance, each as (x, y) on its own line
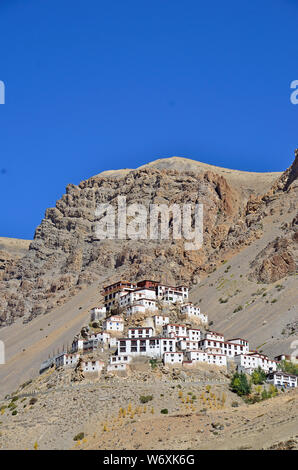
(240, 385)
(289, 367)
(258, 376)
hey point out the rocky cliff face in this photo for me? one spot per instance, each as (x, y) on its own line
(66, 255)
(289, 177)
(280, 257)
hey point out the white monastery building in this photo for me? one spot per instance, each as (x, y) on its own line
(140, 332)
(173, 357)
(202, 356)
(65, 359)
(252, 360)
(160, 320)
(97, 313)
(174, 330)
(152, 347)
(281, 379)
(190, 310)
(114, 323)
(120, 367)
(194, 334)
(92, 366)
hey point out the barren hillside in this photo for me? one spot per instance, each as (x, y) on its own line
(202, 413)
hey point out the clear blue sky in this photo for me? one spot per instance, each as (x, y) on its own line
(94, 85)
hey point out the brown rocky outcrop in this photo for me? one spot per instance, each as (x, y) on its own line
(279, 258)
(288, 177)
(66, 255)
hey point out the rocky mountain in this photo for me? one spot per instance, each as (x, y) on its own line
(66, 256)
(244, 277)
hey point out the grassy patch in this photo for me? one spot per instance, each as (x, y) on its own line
(146, 398)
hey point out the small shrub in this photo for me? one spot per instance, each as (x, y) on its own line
(14, 412)
(32, 401)
(279, 287)
(146, 398)
(164, 411)
(235, 404)
(238, 309)
(79, 436)
(153, 363)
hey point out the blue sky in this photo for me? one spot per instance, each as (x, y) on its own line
(94, 85)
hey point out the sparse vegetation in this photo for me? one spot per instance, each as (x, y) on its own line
(146, 398)
(279, 287)
(238, 309)
(79, 436)
(289, 367)
(261, 395)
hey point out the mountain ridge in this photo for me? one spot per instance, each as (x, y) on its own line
(187, 164)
